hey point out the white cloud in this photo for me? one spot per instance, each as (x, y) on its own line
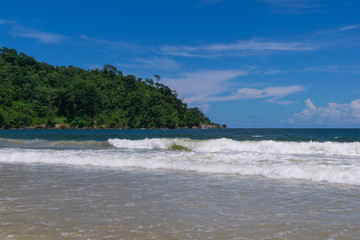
(6, 22)
(46, 37)
(334, 114)
(205, 2)
(113, 44)
(159, 63)
(247, 47)
(259, 45)
(311, 108)
(204, 107)
(19, 31)
(355, 107)
(350, 27)
(199, 86)
(329, 68)
(272, 72)
(333, 69)
(294, 6)
(213, 86)
(276, 71)
(272, 94)
(182, 51)
(155, 63)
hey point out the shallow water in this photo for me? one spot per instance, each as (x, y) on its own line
(61, 202)
(201, 184)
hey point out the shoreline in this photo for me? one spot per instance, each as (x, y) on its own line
(65, 126)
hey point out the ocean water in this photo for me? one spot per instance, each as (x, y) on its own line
(180, 184)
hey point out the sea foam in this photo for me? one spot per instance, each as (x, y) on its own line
(229, 145)
(319, 162)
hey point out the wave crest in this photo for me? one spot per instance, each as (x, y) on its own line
(272, 166)
(229, 145)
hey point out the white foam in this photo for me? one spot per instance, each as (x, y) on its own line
(154, 143)
(229, 145)
(318, 168)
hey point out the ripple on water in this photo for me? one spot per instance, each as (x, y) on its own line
(142, 204)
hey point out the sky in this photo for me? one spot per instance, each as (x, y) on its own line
(244, 63)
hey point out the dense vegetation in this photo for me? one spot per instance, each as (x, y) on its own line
(35, 93)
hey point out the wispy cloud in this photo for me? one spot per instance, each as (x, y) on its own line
(199, 86)
(247, 47)
(260, 45)
(334, 114)
(7, 22)
(159, 63)
(45, 37)
(294, 6)
(332, 69)
(182, 51)
(272, 94)
(156, 63)
(276, 71)
(205, 2)
(213, 86)
(272, 72)
(105, 42)
(349, 27)
(204, 107)
(17, 30)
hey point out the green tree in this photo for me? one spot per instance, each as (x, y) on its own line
(33, 93)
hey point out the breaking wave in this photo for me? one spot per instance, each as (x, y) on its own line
(331, 162)
(229, 145)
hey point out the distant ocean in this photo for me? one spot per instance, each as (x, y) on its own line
(180, 184)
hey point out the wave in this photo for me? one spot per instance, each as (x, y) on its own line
(229, 145)
(333, 162)
(222, 145)
(47, 144)
(330, 169)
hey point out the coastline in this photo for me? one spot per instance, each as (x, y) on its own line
(66, 126)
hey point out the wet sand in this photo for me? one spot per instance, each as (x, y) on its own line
(60, 202)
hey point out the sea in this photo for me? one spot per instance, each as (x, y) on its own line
(180, 184)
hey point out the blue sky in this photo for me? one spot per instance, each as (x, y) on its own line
(246, 63)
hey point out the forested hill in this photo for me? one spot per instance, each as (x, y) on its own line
(35, 93)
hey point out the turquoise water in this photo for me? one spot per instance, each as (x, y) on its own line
(180, 184)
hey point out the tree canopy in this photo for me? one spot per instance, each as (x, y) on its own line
(35, 93)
